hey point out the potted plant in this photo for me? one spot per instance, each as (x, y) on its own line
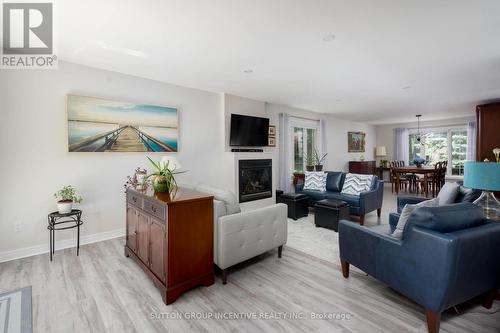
(163, 176)
(66, 197)
(309, 161)
(318, 160)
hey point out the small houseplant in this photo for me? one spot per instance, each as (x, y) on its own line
(66, 197)
(309, 161)
(163, 175)
(496, 152)
(318, 160)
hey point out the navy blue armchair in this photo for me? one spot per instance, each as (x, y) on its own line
(358, 205)
(448, 255)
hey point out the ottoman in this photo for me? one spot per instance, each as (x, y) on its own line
(328, 212)
(297, 204)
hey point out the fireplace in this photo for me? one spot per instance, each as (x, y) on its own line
(255, 179)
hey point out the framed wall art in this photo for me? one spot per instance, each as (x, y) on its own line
(100, 125)
(356, 142)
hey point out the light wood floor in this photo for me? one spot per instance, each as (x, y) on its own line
(102, 291)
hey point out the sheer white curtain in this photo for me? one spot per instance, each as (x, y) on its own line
(285, 151)
(322, 133)
(471, 141)
(401, 145)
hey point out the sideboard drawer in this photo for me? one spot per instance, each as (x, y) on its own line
(154, 209)
(134, 199)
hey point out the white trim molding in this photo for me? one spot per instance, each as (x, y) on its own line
(60, 245)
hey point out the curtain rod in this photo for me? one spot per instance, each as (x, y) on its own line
(299, 117)
(442, 126)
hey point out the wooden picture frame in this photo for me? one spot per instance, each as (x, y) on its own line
(272, 130)
(356, 142)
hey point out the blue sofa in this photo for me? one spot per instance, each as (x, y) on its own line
(358, 205)
(464, 195)
(448, 255)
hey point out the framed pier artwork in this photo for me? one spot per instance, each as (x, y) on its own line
(99, 125)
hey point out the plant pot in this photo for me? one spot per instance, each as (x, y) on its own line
(318, 167)
(309, 167)
(64, 207)
(160, 187)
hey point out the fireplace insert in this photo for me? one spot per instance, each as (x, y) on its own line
(255, 179)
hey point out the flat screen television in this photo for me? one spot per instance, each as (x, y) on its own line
(248, 131)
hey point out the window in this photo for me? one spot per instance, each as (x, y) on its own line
(305, 142)
(444, 144)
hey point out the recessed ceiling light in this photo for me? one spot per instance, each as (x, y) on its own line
(406, 87)
(248, 71)
(328, 38)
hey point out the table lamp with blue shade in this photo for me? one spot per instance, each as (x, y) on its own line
(484, 176)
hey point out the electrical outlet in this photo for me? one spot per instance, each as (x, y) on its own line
(18, 227)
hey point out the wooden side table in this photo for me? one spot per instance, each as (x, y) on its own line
(380, 173)
(58, 221)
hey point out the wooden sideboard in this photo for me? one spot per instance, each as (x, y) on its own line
(488, 131)
(170, 236)
(363, 167)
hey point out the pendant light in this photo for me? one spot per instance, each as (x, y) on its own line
(419, 140)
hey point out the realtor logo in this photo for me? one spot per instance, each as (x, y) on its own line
(27, 35)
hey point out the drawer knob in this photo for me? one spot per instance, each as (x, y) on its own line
(153, 208)
(134, 199)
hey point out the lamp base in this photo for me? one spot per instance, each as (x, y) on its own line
(490, 205)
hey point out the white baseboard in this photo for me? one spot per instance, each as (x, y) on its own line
(63, 244)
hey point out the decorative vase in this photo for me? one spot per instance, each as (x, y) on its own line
(159, 186)
(309, 167)
(64, 207)
(318, 167)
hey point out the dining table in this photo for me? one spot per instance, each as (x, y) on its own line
(426, 171)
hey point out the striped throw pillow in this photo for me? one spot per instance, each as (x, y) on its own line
(315, 181)
(355, 184)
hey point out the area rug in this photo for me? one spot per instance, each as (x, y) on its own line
(15, 311)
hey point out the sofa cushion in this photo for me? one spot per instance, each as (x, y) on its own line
(352, 200)
(448, 218)
(315, 181)
(448, 193)
(355, 184)
(406, 213)
(334, 181)
(228, 197)
(467, 195)
(315, 195)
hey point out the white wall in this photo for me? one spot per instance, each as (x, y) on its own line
(35, 162)
(385, 133)
(336, 135)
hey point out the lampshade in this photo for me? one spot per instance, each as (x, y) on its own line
(482, 175)
(173, 163)
(380, 151)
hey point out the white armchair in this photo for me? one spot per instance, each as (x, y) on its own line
(239, 236)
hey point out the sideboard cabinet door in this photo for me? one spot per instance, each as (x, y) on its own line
(143, 238)
(158, 249)
(132, 228)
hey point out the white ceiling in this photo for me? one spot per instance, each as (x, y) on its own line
(448, 52)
